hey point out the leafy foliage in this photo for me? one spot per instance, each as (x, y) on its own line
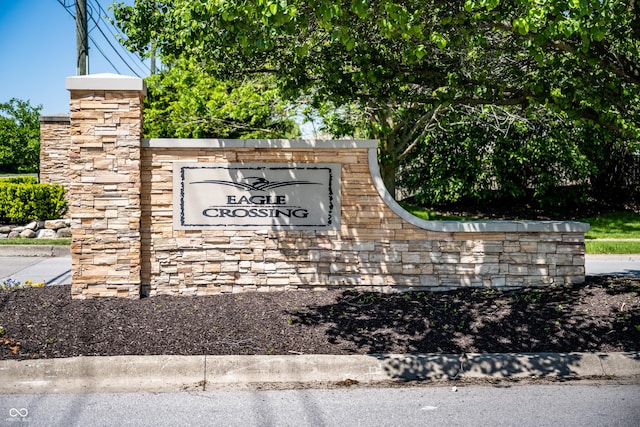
(410, 66)
(24, 202)
(579, 56)
(19, 136)
(475, 159)
(184, 101)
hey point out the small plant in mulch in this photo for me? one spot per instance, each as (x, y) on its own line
(10, 284)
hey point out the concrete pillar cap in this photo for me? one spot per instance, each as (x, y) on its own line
(106, 81)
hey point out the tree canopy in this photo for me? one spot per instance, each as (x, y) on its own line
(406, 64)
(19, 136)
(183, 101)
(579, 56)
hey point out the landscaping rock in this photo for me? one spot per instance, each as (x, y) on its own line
(50, 229)
(46, 233)
(55, 224)
(63, 233)
(28, 234)
(33, 225)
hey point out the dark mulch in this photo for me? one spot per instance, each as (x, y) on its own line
(601, 315)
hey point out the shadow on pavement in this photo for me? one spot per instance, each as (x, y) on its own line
(436, 367)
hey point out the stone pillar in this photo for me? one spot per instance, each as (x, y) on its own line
(104, 184)
(54, 149)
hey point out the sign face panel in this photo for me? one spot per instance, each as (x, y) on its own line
(249, 196)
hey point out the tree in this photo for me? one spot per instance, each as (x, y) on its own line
(19, 136)
(183, 101)
(481, 158)
(406, 62)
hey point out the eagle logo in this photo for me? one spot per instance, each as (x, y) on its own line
(255, 183)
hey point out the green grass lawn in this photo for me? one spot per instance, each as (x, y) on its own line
(428, 215)
(23, 241)
(617, 225)
(609, 233)
(612, 247)
(15, 175)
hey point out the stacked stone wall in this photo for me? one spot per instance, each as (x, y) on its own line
(55, 141)
(375, 249)
(125, 242)
(104, 193)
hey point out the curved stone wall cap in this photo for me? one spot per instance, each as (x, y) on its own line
(106, 81)
(257, 143)
(468, 226)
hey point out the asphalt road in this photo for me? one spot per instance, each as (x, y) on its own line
(619, 265)
(519, 405)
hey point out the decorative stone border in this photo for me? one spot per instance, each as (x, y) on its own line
(469, 226)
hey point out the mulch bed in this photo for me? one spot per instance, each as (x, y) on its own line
(601, 315)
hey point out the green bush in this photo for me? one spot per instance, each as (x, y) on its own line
(22, 202)
(541, 161)
(20, 180)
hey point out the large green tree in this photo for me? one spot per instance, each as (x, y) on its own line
(19, 136)
(404, 63)
(490, 157)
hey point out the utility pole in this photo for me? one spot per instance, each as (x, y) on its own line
(82, 38)
(153, 59)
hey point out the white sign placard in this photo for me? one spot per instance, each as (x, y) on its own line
(241, 196)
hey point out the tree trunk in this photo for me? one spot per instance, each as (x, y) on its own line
(388, 162)
(388, 173)
(383, 126)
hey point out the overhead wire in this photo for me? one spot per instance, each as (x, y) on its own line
(102, 14)
(91, 12)
(91, 16)
(67, 7)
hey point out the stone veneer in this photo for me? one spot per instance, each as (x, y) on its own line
(55, 141)
(121, 196)
(104, 185)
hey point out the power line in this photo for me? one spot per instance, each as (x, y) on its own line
(112, 46)
(96, 22)
(67, 7)
(102, 13)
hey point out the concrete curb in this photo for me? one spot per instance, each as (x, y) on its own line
(190, 373)
(42, 251)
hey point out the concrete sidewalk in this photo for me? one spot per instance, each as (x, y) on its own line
(195, 373)
(612, 265)
(38, 263)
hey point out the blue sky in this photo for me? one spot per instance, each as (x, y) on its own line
(38, 51)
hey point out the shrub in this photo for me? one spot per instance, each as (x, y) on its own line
(22, 202)
(20, 180)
